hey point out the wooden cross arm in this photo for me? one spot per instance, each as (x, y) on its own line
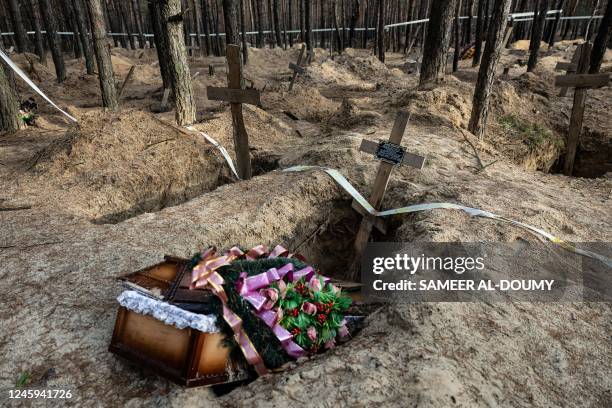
(566, 66)
(378, 222)
(410, 159)
(250, 96)
(582, 80)
(296, 68)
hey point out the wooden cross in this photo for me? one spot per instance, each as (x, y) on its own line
(297, 68)
(569, 67)
(582, 82)
(391, 154)
(236, 95)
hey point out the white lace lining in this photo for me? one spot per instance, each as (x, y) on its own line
(167, 313)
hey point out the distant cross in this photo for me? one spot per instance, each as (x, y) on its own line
(391, 154)
(236, 95)
(581, 81)
(297, 68)
(569, 67)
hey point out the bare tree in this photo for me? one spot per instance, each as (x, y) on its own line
(84, 37)
(486, 73)
(103, 57)
(537, 33)
(602, 38)
(380, 31)
(21, 37)
(180, 78)
(9, 107)
(53, 39)
(39, 41)
(433, 66)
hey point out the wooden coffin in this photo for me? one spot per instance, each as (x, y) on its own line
(185, 356)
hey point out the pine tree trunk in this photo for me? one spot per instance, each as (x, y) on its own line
(245, 48)
(84, 36)
(380, 31)
(290, 12)
(230, 14)
(555, 25)
(9, 106)
(260, 35)
(53, 39)
(602, 38)
(180, 77)
(537, 34)
(103, 57)
(307, 25)
(457, 37)
(353, 23)
(21, 38)
(433, 66)
(39, 41)
(277, 29)
(302, 22)
(197, 14)
(205, 13)
(486, 74)
(337, 27)
(408, 28)
(479, 33)
(160, 42)
(125, 22)
(468, 28)
(138, 22)
(71, 26)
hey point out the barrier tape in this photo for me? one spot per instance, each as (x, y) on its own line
(474, 212)
(518, 17)
(28, 81)
(212, 141)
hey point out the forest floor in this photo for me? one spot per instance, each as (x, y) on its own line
(82, 205)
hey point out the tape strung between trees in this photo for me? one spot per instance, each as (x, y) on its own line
(32, 85)
(474, 212)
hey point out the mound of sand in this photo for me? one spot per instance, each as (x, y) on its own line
(112, 166)
(306, 103)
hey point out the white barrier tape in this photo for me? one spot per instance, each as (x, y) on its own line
(212, 141)
(474, 212)
(23, 76)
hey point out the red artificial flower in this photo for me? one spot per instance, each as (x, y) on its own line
(296, 331)
(321, 318)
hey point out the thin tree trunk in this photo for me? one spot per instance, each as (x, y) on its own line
(9, 105)
(39, 41)
(457, 37)
(245, 48)
(205, 13)
(302, 22)
(197, 15)
(587, 31)
(468, 29)
(103, 57)
(136, 13)
(125, 22)
(21, 38)
(160, 42)
(53, 39)
(486, 73)
(537, 34)
(230, 14)
(602, 38)
(479, 33)
(555, 25)
(337, 27)
(290, 12)
(433, 66)
(277, 29)
(380, 31)
(260, 34)
(84, 36)
(408, 28)
(180, 78)
(307, 25)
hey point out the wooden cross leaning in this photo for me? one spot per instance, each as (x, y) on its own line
(569, 68)
(582, 82)
(297, 68)
(391, 154)
(236, 95)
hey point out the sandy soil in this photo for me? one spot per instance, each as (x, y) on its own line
(117, 192)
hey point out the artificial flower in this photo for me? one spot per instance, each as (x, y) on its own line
(312, 333)
(309, 308)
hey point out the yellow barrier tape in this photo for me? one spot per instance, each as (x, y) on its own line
(474, 212)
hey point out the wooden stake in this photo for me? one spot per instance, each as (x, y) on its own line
(126, 80)
(569, 68)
